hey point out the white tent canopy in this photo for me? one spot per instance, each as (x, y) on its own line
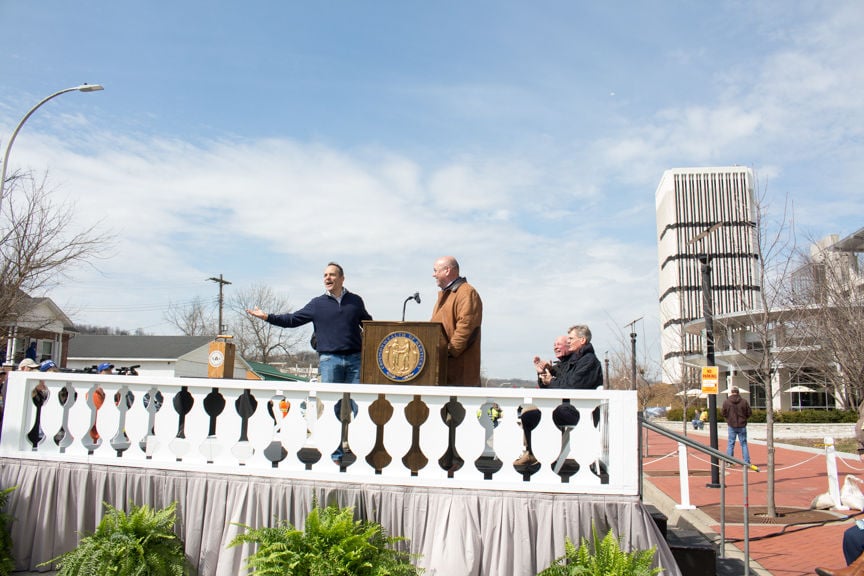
(692, 393)
(802, 389)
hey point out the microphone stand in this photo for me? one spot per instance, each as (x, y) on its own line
(415, 296)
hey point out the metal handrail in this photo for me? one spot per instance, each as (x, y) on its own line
(723, 458)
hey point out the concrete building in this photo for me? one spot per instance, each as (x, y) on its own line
(690, 204)
(804, 364)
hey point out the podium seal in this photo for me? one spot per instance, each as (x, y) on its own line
(401, 356)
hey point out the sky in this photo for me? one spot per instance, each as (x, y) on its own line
(261, 140)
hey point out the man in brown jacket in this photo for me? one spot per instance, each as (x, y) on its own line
(460, 310)
(736, 411)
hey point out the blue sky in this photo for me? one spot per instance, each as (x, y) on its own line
(261, 140)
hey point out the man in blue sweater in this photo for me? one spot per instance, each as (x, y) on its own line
(336, 315)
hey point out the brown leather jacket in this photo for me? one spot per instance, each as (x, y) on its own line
(736, 411)
(460, 310)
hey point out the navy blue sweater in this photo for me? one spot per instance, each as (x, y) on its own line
(337, 326)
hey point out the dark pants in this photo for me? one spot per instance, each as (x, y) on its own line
(853, 543)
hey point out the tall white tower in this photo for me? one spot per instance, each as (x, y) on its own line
(689, 202)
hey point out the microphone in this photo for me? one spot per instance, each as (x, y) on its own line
(415, 297)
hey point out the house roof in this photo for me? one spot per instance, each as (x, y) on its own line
(100, 346)
(268, 372)
(26, 310)
(194, 364)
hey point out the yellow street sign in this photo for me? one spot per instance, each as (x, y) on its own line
(710, 378)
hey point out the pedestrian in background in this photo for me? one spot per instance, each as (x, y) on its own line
(736, 411)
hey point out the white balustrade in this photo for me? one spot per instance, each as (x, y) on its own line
(127, 431)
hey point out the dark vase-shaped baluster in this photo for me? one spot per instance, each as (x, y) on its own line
(39, 396)
(488, 462)
(311, 409)
(529, 418)
(67, 397)
(246, 404)
(453, 414)
(566, 418)
(95, 399)
(214, 404)
(380, 412)
(183, 402)
(123, 399)
(345, 408)
(416, 413)
(277, 407)
(598, 467)
(153, 401)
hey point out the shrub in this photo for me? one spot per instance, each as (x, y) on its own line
(675, 414)
(7, 562)
(141, 543)
(604, 558)
(331, 544)
(809, 416)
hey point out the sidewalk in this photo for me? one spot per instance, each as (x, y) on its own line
(791, 545)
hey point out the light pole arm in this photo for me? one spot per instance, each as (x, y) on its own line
(82, 88)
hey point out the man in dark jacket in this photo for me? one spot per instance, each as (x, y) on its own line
(582, 370)
(736, 411)
(337, 316)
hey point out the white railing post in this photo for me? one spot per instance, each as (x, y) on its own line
(684, 475)
(833, 479)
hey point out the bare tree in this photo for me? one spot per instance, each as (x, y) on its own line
(772, 335)
(38, 243)
(829, 290)
(256, 339)
(193, 319)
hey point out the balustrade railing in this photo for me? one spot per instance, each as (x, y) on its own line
(580, 441)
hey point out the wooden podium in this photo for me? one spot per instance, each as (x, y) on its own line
(220, 357)
(412, 353)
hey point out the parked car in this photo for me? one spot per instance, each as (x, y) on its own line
(655, 412)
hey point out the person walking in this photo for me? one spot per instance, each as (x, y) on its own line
(736, 411)
(337, 316)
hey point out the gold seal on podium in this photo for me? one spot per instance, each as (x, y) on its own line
(401, 356)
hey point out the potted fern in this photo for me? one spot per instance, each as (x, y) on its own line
(140, 543)
(7, 563)
(331, 543)
(604, 558)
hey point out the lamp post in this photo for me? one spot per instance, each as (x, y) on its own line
(606, 360)
(81, 88)
(632, 326)
(708, 313)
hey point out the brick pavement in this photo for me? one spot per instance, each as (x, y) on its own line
(800, 476)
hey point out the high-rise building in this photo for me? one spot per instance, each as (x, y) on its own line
(703, 215)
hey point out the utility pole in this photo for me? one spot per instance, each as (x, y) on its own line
(222, 282)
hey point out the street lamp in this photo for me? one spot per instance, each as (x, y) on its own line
(632, 326)
(81, 88)
(708, 314)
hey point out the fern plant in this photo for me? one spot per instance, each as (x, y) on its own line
(140, 543)
(605, 558)
(331, 543)
(7, 562)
